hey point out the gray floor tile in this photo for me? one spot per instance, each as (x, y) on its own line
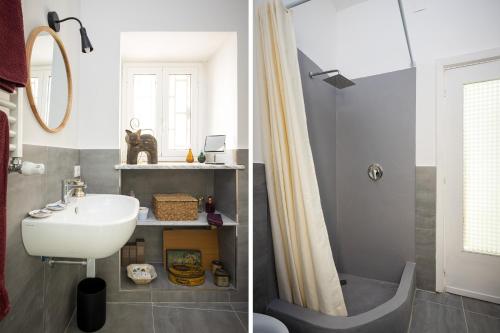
(176, 320)
(430, 317)
(222, 306)
(240, 306)
(477, 306)
(123, 318)
(442, 298)
(477, 323)
(243, 317)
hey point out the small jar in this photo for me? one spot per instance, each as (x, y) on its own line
(201, 200)
(221, 278)
(210, 205)
(216, 264)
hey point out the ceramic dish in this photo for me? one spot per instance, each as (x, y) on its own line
(141, 273)
(40, 213)
(56, 206)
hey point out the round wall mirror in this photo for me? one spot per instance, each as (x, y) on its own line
(49, 87)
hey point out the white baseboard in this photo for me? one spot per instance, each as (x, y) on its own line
(473, 294)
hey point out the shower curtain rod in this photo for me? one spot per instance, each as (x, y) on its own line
(403, 19)
(296, 3)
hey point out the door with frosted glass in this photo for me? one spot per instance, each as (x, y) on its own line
(472, 181)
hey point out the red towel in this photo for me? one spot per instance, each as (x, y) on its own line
(4, 163)
(13, 70)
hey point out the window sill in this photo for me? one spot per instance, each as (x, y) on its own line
(179, 166)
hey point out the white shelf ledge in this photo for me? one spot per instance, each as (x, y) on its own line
(200, 222)
(179, 166)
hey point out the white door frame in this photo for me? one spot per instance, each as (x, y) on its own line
(441, 66)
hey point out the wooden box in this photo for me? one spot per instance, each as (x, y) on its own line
(175, 207)
(203, 240)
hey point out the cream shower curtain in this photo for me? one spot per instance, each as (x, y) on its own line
(304, 263)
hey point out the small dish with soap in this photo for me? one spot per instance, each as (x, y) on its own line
(56, 206)
(40, 213)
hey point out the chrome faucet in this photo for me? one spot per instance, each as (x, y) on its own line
(67, 189)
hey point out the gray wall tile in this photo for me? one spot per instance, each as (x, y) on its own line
(60, 295)
(153, 237)
(242, 190)
(145, 183)
(225, 192)
(27, 312)
(60, 166)
(425, 188)
(264, 276)
(42, 298)
(228, 250)
(425, 227)
(98, 172)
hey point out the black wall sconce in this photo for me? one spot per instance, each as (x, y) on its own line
(54, 23)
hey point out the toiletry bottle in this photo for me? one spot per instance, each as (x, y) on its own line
(210, 205)
(190, 157)
(202, 158)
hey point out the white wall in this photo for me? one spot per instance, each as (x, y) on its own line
(371, 41)
(315, 31)
(315, 34)
(100, 70)
(222, 93)
(34, 15)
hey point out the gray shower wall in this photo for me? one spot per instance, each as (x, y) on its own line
(371, 225)
(319, 100)
(376, 124)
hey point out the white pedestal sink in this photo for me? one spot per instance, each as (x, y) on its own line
(95, 226)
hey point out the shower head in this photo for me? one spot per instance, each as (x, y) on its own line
(338, 80)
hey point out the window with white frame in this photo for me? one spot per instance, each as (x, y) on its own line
(164, 98)
(481, 149)
(41, 79)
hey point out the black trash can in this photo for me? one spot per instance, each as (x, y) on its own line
(91, 304)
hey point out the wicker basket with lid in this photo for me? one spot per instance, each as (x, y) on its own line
(175, 207)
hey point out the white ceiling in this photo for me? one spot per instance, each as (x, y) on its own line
(171, 46)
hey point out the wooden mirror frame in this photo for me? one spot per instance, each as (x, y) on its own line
(29, 49)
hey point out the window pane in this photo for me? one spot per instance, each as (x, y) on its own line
(49, 92)
(179, 111)
(144, 100)
(34, 89)
(481, 144)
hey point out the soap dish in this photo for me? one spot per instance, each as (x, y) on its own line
(56, 206)
(40, 213)
(141, 273)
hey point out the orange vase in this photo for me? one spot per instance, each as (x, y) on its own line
(190, 157)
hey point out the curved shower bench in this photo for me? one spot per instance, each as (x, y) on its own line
(392, 316)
